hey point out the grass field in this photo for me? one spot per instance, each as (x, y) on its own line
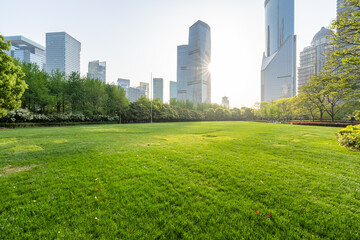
(217, 180)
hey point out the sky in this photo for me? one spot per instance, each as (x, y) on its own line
(138, 38)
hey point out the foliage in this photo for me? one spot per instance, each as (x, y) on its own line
(350, 137)
(12, 85)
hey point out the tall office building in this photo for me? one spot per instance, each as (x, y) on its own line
(158, 89)
(193, 75)
(26, 50)
(133, 94)
(182, 73)
(145, 87)
(97, 70)
(62, 52)
(124, 83)
(225, 102)
(173, 90)
(312, 58)
(278, 71)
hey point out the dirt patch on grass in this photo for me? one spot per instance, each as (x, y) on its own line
(27, 148)
(10, 169)
(6, 141)
(60, 141)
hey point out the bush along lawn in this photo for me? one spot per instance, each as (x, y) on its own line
(350, 137)
(207, 180)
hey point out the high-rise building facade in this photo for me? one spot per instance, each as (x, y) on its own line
(62, 53)
(145, 87)
(158, 89)
(225, 102)
(173, 90)
(312, 58)
(278, 71)
(124, 83)
(133, 94)
(193, 75)
(26, 50)
(97, 70)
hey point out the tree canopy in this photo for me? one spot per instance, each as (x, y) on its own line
(12, 85)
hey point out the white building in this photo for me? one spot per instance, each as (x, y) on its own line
(312, 58)
(26, 50)
(278, 71)
(193, 75)
(62, 53)
(97, 70)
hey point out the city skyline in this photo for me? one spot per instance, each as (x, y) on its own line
(237, 37)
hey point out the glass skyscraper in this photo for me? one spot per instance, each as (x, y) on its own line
(278, 71)
(62, 53)
(97, 70)
(26, 50)
(312, 58)
(158, 89)
(173, 90)
(193, 75)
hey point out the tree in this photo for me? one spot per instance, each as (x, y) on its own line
(12, 85)
(117, 103)
(345, 57)
(57, 89)
(37, 96)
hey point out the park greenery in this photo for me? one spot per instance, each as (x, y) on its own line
(12, 84)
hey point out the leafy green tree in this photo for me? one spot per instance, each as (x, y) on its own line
(12, 85)
(345, 57)
(56, 86)
(75, 93)
(117, 103)
(95, 96)
(37, 96)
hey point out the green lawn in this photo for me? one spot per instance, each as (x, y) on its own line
(210, 180)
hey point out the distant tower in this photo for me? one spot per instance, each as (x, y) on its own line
(194, 78)
(26, 50)
(278, 71)
(158, 89)
(225, 102)
(145, 87)
(97, 70)
(62, 53)
(312, 58)
(124, 83)
(173, 90)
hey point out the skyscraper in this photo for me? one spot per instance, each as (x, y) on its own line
(193, 75)
(158, 88)
(26, 50)
(62, 52)
(278, 71)
(312, 58)
(124, 83)
(173, 90)
(97, 70)
(145, 87)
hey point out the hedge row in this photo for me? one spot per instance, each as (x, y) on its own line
(350, 137)
(325, 124)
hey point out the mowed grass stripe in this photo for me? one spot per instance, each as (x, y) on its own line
(209, 180)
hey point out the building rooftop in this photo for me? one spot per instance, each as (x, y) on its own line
(18, 41)
(324, 32)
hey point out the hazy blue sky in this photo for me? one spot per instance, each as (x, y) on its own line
(137, 37)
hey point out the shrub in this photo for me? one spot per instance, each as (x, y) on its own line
(324, 124)
(350, 137)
